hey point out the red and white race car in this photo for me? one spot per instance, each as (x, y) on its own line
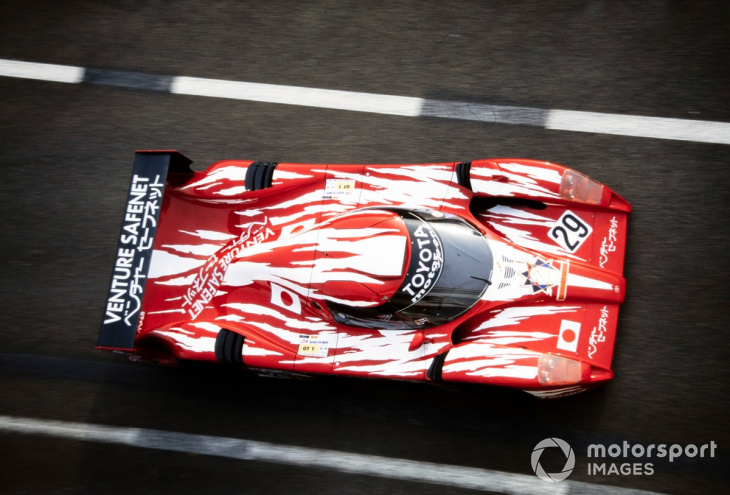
(503, 271)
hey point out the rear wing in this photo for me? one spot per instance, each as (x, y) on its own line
(153, 170)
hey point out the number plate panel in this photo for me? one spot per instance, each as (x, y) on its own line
(570, 232)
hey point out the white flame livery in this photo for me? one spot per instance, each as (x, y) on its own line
(263, 265)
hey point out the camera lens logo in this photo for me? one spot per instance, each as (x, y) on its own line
(569, 460)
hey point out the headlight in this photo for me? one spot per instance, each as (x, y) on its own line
(556, 370)
(577, 187)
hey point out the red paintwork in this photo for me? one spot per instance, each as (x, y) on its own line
(264, 263)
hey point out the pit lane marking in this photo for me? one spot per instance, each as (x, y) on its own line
(346, 462)
(701, 131)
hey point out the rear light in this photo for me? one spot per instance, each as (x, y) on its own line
(556, 370)
(577, 187)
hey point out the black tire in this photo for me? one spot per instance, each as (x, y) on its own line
(259, 175)
(229, 347)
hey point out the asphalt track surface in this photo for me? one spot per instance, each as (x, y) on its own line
(66, 154)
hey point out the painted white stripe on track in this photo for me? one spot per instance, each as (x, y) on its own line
(294, 95)
(563, 120)
(43, 72)
(249, 450)
(633, 125)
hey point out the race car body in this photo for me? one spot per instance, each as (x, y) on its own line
(504, 272)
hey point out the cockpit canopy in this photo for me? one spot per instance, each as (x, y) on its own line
(361, 257)
(449, 265)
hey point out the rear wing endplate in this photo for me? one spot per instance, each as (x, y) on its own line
(152, 171)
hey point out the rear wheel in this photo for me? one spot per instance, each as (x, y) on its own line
(229, 347)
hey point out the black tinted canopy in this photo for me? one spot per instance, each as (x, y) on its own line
(449, 269)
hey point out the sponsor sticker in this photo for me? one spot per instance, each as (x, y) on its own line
(542, 276)
(135, 250)
(563, 287)
(339, 188)
(313, 346)
(608, 245)
(427, 260)
(209, 277)
(123, 317)
(598, 335)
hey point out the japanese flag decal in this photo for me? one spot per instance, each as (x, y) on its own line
(568, 336)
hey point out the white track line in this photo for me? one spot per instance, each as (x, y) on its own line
(294, 95)
(249, 450)
(43, 72)
(563, 120)
(632, 125)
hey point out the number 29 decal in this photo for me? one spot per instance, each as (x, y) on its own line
(570, 232)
